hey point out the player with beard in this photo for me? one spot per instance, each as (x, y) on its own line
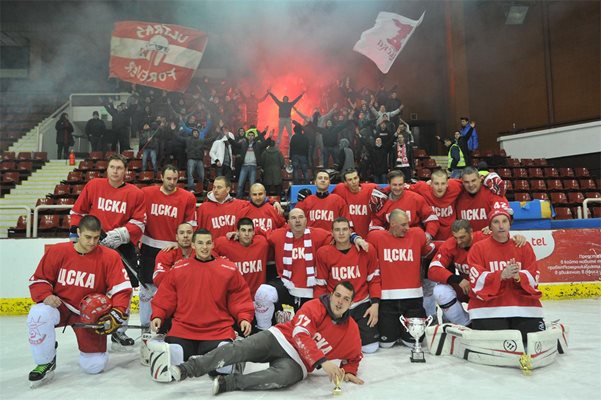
(264, 215)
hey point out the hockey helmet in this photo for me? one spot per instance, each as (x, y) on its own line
(93, 306)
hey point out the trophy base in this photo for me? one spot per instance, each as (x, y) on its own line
(417, 357)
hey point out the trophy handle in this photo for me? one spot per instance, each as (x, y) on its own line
(429, 321)
(403, 321)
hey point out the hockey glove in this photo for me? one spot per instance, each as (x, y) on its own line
(111, 321)
(377, 200)
(116, 238)
(495, 184)
(302, 194)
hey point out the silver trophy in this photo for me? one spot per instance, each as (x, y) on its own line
(416, 328)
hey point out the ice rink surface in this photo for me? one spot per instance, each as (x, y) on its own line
(388, 374)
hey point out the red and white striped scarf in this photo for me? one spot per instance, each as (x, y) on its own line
(309, 263)
(401, 156)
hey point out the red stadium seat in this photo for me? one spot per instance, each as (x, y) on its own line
(134, 165)
(108, 154)
(575, 198)
(504, 173)
(85, 165)
(8, 165)
(48, 222)
(538, 185)
(551, 172)
(61, 190)
(593, 195)
(509, 185)
(587, 184)
(521, 185)
(40, 156)
(9, 155)
(540, 196)
(559, 198)
(146, 176)
(421, 153)
(522, 197)
(527, 162)
(571, 184)
(596, 212)
(46, 201)
(101, 165)
(25, 155)
(76, 189)
(181, 175)
(92, 175)
(429, 163)
(520, 173)
(563, 213)
(540, 162)
(554, 185)
(130, 176)
(11, 177)
(74, 177)
(566, 172)
(513, 163)
(535, 173)
(487, 153)
(65, 224)
(25, 166)
(424, 174)
(501, 153)
(581, 172)
(96, 155)
(128, 154)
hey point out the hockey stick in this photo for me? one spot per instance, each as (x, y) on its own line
(106, 325)
(125, 262)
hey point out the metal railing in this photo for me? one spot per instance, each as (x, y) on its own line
(585, 206)
(46, 207)
(27, 220)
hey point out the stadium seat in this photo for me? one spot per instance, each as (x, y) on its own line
(21, 226)
(575, 198)
(130, 176)
(85, 165)
(581, 172)
(146, 176)
(563, 213)
(8, 165)
(96, 155)
(421, 153)
(540, 196)
(509, 186)
(76, 189)
(501, 153)
(48, 222)
(181, 175)
(46, 201)
(566, 173)
(101, 165)
(8, 155)
(424, 174)
(520, 173)
(134, 165)
(535, 173)
(128, 154)
(593, 195)
(74, 177)
(476, 154)
(587, 184)
(527, 162)
(551, 172)
(522, 197)
(571, 184)
(92, 175)
(65, 224)
(558, 198)
(11, 177)
(61, 190)
(513, 163)
(40, 156)
(538, 185)
(487, 153)
(596, 212)
(198, 187)
(25, 166)
(521, 185)
(429, 163)
(505, 173)
(64, 201)
(25, 155)
(108, 154)
(540, 162)
(554, 185)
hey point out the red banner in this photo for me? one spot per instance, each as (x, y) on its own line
(567, 255)
(154, 54)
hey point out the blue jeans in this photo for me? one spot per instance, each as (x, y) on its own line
(195, 165)
(327, 152)
(246, 172)
(456, 173)
(153, 159)
(300, 165)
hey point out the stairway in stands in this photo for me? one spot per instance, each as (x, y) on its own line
(38, 185)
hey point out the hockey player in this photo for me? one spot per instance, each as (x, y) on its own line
(323, 207)
(399, 251)
(504, 281)
(168, 257)
(204, 296)
(167, 206)
(121, 210)
(320, 332)
(357, 196)
(341, 261)
(249, 252)
(414, 205)
(264, 215)
(67, 273)
(475, 203)
(219, 211)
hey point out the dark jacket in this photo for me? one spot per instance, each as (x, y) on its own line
(195, 148)
(64, 132)
(95, 128)
(272, 162)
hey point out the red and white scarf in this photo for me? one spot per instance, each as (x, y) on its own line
(401, 156)
(309, 263)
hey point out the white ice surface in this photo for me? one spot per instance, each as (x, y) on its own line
(388, 374)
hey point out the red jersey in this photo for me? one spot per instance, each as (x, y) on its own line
(475, 207)
(65, 273)
(492, 297)
(164, 212)
(321, 212)
(164, 261)
(400, 262)
(358, 267)
(204, 299)
(251, 261)
(358, 205)
(218, 218)
(313, 335)
(265, 216)
(114, 207)
(443, 207)
(277, 239)
(418, 211)
(451, 258)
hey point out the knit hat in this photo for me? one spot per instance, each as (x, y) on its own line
(496, 212)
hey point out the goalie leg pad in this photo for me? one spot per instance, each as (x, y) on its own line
(543, 347)
(160, 361)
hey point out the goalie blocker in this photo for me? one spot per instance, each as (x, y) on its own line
(502, 348)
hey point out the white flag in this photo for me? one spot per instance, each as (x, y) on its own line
(383, 43)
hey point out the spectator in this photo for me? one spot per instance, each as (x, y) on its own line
(64, 136)
(195, 152)
(299, 155)
(95, 130)
(120, 125)
(250, 148)
(346, 158)
(272, 162)
(456, 158)
(175, 146)
(149, 145)
(402, 156)
(221, 152)
(285, 108)
(468, 131)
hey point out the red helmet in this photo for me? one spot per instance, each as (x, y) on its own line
(94, 306)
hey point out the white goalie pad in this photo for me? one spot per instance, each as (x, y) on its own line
(497, 348)
(160, 361)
